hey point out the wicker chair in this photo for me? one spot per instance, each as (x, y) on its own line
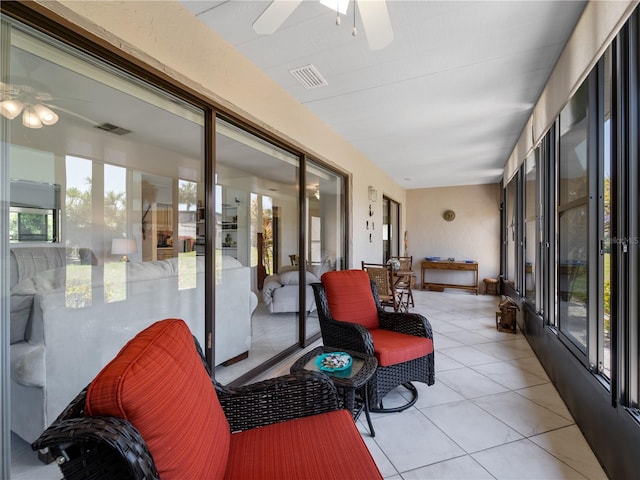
(351, 317)
(107, 447)
(405, 283)
(382, 275)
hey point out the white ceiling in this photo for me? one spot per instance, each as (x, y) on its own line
(442, 105)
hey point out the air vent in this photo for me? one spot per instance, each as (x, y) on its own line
(116, 130)
(309, 77)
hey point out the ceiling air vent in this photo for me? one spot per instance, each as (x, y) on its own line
(309, 77)
(109, 127)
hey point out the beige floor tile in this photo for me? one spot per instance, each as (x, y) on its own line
(469, 383)
(523, 460)
(467, 337)
(505, 350)
(436, 394)
(547, 396)
(470, 427)
(461, 468)
(569, 445)
(411, 441)
(444, 362)
(469, 356)
(526, 417)
(509, 375)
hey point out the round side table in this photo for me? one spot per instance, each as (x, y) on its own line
(347, 382)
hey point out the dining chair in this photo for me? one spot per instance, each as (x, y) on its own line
(381, 274)
(405, 282)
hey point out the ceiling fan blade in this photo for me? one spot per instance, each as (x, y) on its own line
(376, 22)
(274, 16)
(73, 114)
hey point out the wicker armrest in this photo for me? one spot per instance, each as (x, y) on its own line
(409, 323)
(110, 447)
(347, 335)
(277, 399)
(340, 334)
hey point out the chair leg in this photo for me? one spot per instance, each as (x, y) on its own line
(414, 398)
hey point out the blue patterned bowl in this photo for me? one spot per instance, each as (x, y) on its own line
(334, 361)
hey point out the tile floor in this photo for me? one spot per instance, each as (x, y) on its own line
(492, 413)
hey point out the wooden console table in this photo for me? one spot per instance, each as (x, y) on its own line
(447, 265)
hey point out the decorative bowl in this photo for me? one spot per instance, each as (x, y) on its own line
(334, 361)
(470, 261)
(432, 259)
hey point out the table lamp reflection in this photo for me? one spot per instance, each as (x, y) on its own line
(124, 247)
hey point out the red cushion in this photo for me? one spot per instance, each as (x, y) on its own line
(320, 447)
(159, 384)
(350, 298)
(392, 347)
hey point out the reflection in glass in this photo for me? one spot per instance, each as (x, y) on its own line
(605, 342)
(257, 288)
(531, 242)
(573, 148)
(573, 220)
(511, 231)
(114, 176)
(325, 248)
(572, 275)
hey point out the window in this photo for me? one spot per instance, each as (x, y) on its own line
(31, 224)
(531, 227)
(95, 211)
(33, 212)
(390, 228)
(572, 212)
(604, 225)
(511, 232)
(547, 266)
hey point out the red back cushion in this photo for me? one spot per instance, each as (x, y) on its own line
(159, 384)
(350, 298)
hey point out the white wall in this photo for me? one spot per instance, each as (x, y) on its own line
(474, 234)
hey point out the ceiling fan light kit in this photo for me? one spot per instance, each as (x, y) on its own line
(375, 18)
(45, 114)
(10, 108)
(339, 6)
(34, 115)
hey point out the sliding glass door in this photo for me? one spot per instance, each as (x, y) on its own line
(257, 306)
(104, 176)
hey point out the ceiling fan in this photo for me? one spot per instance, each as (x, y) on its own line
(374, 13)
(29, 98)
(32, 103)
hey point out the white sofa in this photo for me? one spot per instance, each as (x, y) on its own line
(281, 291)
(80, 318)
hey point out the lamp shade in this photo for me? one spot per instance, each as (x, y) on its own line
(123, 246)
(10, 108)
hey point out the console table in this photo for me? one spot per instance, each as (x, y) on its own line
(452, 266)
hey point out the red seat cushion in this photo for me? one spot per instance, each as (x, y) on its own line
(159, 384)
(350, 298)
(393, 347)
(320, 447)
